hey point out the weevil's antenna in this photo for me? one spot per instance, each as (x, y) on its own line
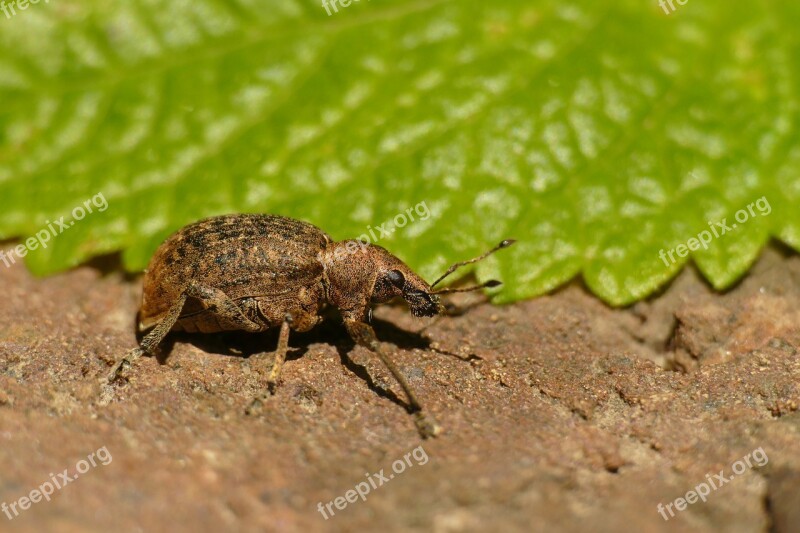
(505, 244)
(489, 284)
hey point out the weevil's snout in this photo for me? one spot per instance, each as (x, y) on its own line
(395, 279)
(422, 303)
(399, 280)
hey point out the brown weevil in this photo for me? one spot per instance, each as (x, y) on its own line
(253, 272)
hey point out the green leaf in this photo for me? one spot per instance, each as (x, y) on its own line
(597, 134)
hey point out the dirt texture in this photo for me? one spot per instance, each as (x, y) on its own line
(556, 414)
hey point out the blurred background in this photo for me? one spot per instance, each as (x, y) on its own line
(596, 133)
(607, 138)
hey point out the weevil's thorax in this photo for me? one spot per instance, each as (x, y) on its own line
(358, 275)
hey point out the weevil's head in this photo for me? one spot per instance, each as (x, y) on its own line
(360, 274)
(395, 279)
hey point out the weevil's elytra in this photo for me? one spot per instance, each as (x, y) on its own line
(261, 262)
(254, 272)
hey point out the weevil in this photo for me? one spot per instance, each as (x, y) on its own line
(253, 272)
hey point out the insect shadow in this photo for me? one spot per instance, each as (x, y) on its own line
(330, 331)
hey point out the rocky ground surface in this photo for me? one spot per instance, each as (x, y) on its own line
(557, 414)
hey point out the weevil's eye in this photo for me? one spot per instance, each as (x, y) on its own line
(396, 278)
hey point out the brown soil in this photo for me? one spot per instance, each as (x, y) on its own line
(556, 413)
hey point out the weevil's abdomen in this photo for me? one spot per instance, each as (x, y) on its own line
(244, 256)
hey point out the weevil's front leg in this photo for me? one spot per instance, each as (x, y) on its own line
(364, 335)
(277, 366)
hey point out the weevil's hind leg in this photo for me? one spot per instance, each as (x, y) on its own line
(277, 366)
(364, 335)
(224, 308)
(226, 311)
(151, 340)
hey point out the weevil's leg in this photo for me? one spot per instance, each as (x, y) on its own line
(277, 366)
(215, 299)
(280, 355)
(364, 335)
(224, 308)
(151, 340)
